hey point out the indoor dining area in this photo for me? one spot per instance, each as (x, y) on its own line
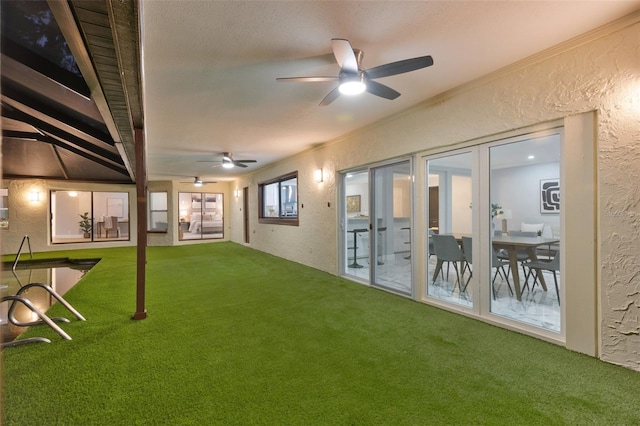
(517, 235)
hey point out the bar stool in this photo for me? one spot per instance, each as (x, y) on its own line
(355, 263)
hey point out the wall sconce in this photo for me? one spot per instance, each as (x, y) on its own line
(317, 175)
(34, 196)
(236, 193)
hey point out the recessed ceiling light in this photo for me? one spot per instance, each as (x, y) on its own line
(531, 157)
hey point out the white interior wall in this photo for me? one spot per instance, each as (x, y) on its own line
(518, 189)
(68, 210)
(460, 202)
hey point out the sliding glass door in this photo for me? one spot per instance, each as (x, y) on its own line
(356, 225)
(525, 220)
(391, 227)
(492, 220)
(200, 216)
(85, 216)
(376, 226)
(450, 212)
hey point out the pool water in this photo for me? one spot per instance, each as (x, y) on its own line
(60, 274)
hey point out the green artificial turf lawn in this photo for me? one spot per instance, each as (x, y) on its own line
(237, 336)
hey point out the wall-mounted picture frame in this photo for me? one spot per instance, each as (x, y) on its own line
(353, 204)
(115, 207)
(550, 196)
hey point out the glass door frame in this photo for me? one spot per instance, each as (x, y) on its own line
(375, 234)
(343, 226)
(473, 289)
(481, 233)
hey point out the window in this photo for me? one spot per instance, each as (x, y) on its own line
(200, 216)
(85, 216)
(4, 208)
(278, 200)
(158, 218)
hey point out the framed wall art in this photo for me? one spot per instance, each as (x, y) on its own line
(353, 204)
(550, 196)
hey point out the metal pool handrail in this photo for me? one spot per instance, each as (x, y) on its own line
(15, 262)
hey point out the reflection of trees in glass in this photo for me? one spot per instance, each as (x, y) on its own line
(31, 25)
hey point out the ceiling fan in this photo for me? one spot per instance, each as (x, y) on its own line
(228, 162)
(199, 182)
(354, 79)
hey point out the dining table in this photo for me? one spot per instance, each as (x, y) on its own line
(530, 244)
(511, 244)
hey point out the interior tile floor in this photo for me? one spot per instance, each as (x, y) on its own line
(538, 307)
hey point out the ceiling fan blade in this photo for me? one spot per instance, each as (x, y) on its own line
(381, 90)
(239, 164)
(246, 161)
(306, 79)
(400, 67)
(343, 52)
(332, 96)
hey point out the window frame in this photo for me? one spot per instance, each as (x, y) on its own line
(280, 219)
(151, 211)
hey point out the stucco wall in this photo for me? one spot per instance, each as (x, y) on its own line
(601, 73)
(31, 217)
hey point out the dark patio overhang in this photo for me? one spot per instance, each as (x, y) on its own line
(65, 125)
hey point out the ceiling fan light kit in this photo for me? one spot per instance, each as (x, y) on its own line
(228, 162)
(355, 79)
(197, 182)
(352, 86)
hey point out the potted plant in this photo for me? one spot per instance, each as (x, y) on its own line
(85, 224)
(496, 210)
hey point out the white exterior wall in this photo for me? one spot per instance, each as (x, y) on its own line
(31, 217)
(596, 74)
(600, 73)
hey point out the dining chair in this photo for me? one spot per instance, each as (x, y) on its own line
(431, 250)
(111, 225)
(467, 251)
(467, 248)
(537, 266)
(499, 264)
(447, 250)
(521, 254)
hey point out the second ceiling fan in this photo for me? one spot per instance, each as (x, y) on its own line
(228, 162)
(354, 79)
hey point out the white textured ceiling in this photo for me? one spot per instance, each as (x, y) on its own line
(210, 67)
